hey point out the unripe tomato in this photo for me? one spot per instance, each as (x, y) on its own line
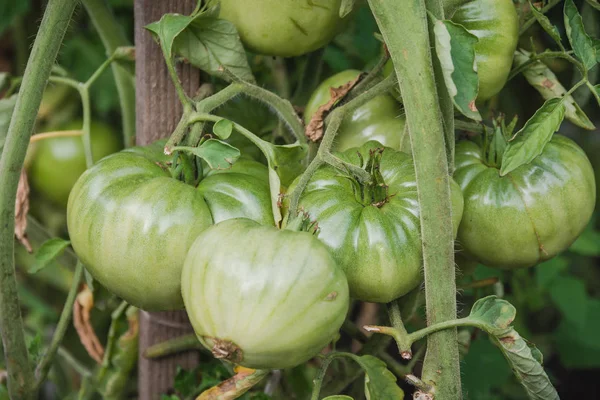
(286, 28)
(263, 297)
(132, 224)
(380, 119)
(373, 231)
(529, 215)
(496, 25)
(55, 164)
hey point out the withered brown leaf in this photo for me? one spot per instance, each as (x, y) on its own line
(315, 128)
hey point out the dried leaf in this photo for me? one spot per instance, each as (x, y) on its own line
(21, 210)
(234, 387)
(82, 322)
(314, 129)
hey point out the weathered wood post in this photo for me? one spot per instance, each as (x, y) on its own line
(158, 110)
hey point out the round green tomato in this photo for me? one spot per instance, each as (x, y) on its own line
(496, 25)
(380, 119)
(529, 215)
(132, 224)
(286, 28)
(373, 235)
(263, 297)
(55, 164)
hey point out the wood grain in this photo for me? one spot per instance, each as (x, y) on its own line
(158, 111)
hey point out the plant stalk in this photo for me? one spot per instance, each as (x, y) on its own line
(43, 367)
(45, 48)
(112, 36)
(405, 30)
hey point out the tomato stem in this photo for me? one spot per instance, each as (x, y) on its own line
(112, 37)
(404, 26)
(45, 48)
(333, 124)
(41, 371)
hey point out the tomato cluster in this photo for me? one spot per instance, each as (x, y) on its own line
(268, 296)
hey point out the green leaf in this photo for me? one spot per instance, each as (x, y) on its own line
(48, 252)
(583, 45)
(6, 109)
(545, 23)
(285, 164)
(217, 154)
(454, 46)
(168, 28)
(338, 397)
(346, 7)
(547, 272)
(570, 296)
(494, 316)
(380, 383)
(546, 83)
(223, 128)
(9, 10)
(529, 142)
(214, 45)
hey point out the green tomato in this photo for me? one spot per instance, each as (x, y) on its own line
(132, 224)
(496, 25)
(55, 164)
(373, 233)
(285, 28)
(263, 297)
(529, 215)
(381, 119)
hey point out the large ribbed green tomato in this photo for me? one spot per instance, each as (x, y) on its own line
(284, 28)
(528, 215)
(496, 25)
(263, 297)
(373, 236)
(380, 119)
(55, 164)
(131, 224)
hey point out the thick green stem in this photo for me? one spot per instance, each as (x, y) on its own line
(405, 31)
(63, 323)
(112, 36)
(45, 48)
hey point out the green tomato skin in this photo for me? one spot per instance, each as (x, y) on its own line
(239, 192)
(131, 224)
(277, 295)
(496, 25)
(379, 248)
(56, 164)
(529, 215)
(380, 119)
(285, 28)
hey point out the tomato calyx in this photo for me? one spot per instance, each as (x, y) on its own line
(494, 143)
(374, 193)
(301, 222)
(225, 350)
